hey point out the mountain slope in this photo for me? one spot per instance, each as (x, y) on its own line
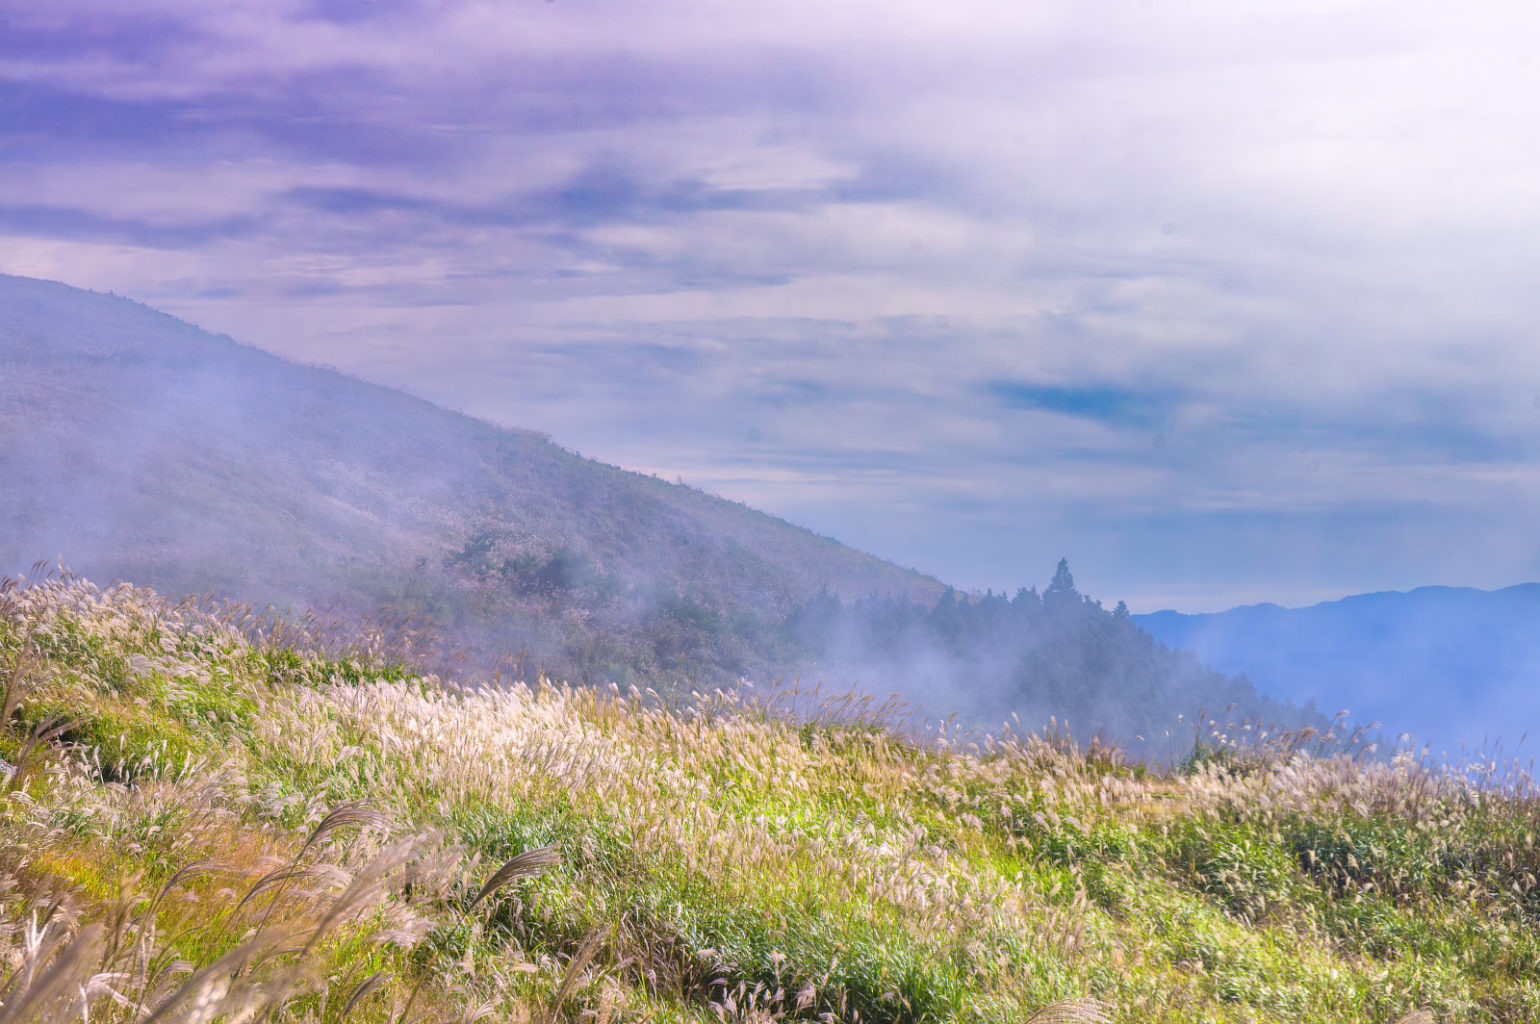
(1449, 665)
(134, 445)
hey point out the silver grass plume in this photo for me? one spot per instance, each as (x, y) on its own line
(527, 863)
(1072, 1011)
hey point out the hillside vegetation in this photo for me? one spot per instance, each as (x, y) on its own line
(1033, 658)
(139, 447)
(135, 446)
(215, 817)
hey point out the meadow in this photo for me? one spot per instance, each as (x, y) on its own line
(210, 815)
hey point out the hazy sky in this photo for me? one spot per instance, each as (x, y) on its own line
(1222, 301)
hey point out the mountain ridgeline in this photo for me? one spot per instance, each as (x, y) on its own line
(1452, 666)
(135, 446)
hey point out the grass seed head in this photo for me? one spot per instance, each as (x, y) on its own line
(1072, 1011)
(527, 863)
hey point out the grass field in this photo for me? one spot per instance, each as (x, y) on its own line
(206, 824)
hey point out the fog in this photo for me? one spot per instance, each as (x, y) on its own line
(137, 447)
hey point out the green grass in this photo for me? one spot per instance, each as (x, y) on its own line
(714, 858)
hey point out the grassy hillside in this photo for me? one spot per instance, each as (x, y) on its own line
(205, 826)
(136, 446)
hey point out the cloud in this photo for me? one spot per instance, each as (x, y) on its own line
(1185, 291)
(1106, 404)
(603, 193)
(54, 222)
(66, 121)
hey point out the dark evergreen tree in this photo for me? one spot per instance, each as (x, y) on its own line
(1061, 592)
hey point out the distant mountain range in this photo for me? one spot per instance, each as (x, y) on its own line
(136, 446)
(1450, 665)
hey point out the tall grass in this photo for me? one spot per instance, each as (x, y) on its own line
(205, 824)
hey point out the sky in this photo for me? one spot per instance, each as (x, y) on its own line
(1222, 302)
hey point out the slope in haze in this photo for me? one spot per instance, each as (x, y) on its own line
(137, 446)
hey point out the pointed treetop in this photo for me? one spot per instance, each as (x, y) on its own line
(1061, 592)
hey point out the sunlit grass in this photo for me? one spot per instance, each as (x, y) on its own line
(204, 825)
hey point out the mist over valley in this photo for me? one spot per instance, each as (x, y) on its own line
(134, 446)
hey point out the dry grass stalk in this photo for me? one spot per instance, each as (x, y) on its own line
(527, 863)
(217, 989)
(62, 975)
(1072, 1011)
(277, 876)
(344, 816)
(17, 680)
(575, 968)
(44, 733)
(368, 885)
(47, 986)
(363, 990)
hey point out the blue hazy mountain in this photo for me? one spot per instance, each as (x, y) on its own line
(1449, 665)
